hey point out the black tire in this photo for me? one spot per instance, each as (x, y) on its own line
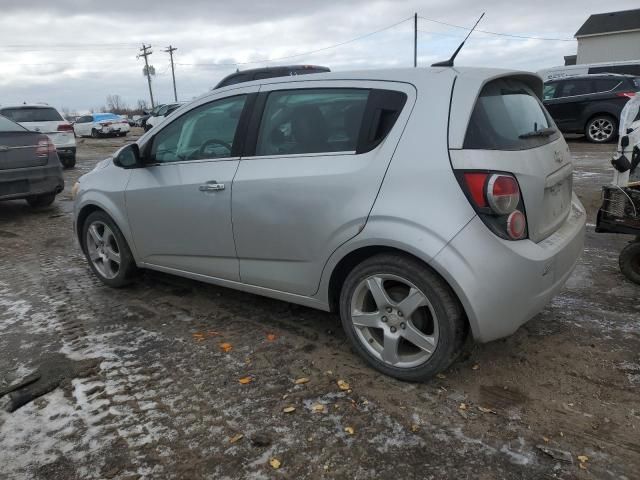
(128, 270)
(601, 129)
(68, 162)
(630, 261)
(451, 322)
(41, 201)
(94, 133)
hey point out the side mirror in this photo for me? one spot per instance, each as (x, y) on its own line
(128, 156)
(624, 141)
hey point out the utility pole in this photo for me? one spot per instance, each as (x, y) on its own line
(415, 40)
(144, 53)
(170, 51)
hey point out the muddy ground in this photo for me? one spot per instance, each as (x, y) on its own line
(144, 389)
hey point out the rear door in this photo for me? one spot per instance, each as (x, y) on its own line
(496, 139)
(309, 178)
(571, 99)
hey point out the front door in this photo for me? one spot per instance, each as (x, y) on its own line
(179, 205)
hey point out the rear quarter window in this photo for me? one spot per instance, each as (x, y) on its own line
(7, 126)
(506, 110)
(36, 114)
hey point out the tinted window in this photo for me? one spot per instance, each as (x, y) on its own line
(622, 69)
(505, 110)
(636, 83)
(31, 114)
(9, 126)
(311, 121)
(605, 84)
(205, 132)
(263, 75)
(549, 90)
(236, 79)
(571, 88)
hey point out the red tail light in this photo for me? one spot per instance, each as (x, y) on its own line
(626, 94)
(45, 147)
(497, 200)
(65, 127)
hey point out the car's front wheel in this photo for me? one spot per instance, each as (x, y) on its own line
(94, 133)
(107, 251)
(401, 317)
(601, 129)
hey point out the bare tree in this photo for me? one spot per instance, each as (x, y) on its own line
(143, 105)
(116, 104)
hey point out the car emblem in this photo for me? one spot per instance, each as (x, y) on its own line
(557, 156)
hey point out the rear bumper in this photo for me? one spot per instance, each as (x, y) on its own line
(503, 284)
(24, 182)
(66, 151)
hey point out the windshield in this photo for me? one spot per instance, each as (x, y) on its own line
(31, 114)
(7, 125)
(505, 115)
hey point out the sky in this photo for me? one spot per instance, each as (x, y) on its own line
(73, 53)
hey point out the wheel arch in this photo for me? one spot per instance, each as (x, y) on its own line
(357, 256)
(87, 209)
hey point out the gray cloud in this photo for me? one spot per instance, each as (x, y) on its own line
(74, 53)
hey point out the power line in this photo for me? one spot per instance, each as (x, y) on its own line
(361, 37)
(500, 34)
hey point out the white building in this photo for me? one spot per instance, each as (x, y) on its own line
(609, 37)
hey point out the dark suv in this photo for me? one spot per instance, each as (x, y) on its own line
(590, 104)
(269, 72)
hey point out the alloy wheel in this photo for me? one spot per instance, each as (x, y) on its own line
(601, 129)
(394, 320)
(103, 249)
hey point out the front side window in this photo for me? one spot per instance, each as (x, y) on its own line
(508, 116)
(311, 121)
(32, 114)
(206, 132)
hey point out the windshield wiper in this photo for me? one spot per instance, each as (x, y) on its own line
(544, 132)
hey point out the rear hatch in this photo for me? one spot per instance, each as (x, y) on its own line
(20, 150)
(41, 119)
(508, 130)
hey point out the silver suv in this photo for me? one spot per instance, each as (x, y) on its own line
(420, 204)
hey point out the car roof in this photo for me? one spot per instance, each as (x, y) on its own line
(280, 67)
(28, 105)
(593, 75)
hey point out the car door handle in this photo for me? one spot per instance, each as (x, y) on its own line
(211, 187)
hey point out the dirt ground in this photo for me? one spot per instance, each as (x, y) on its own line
(142, 387)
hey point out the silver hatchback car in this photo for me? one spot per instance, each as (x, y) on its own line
(420, 204)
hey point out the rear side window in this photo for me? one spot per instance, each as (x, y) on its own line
(549, 90)
(35, 114)
(571, 88)
(9, 126)
(605, 84)
(311, 121)
(506, 113)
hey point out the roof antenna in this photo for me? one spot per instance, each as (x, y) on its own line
(449, 63)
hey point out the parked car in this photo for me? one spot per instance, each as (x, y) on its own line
(269, 72)
(45, 119)
(141, 121)
(101, 125)
(631, 67)
(590, 104)
(392, 197)
(161, 114)
(29, 165)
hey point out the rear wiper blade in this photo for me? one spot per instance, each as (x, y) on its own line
(544, 132)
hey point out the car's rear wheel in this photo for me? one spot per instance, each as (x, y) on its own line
(68, 162)
(94, 133)
(630, 261)
(601, 129)
(41, 201)
(402, 318)
(107, 251)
